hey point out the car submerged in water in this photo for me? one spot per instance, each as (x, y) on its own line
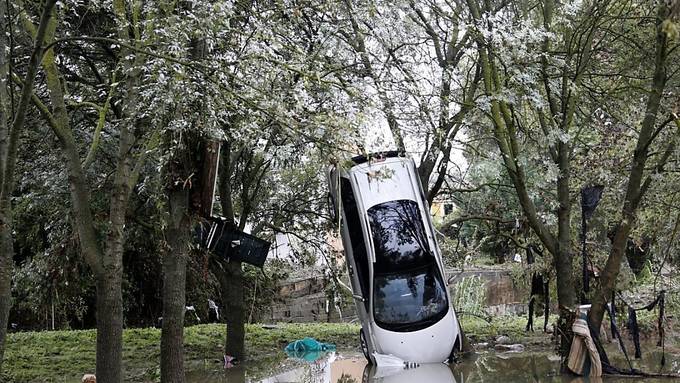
(394, 262)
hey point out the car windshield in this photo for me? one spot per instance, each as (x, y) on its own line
(409, 301)
(399, 237)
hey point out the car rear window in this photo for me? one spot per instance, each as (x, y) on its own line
(410, 300)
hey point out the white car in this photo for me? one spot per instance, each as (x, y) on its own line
(394, 263)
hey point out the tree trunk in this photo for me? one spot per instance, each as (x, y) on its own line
(236, 375)
(231, 273)
(109, 328)
(566, 293)
(6, 245)
(232, 291)
(174, 286)
(224, 184)
(109, 356)
(6, 268)
(504, 132)
(182, 205)
(107, 267)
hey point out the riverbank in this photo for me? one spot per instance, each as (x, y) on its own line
(64, 356)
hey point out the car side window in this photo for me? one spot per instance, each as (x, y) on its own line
(356, 236)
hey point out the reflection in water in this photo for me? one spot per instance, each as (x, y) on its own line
(318, 371)
(435, 372)
(594, 379)
(480, 367)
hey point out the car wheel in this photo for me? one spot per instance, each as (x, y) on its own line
(364, 346)
(366, 375)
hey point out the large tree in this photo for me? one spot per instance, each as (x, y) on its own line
(547, 102)
(11, 126)
(105, 258)
(641, 175)
(546, 105)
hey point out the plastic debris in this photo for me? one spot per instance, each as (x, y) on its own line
(390, 360)
(387, 365)
(229, 361)
(308, 349)
(213, 306)
(192, 309)
(510, 347)
(309, 344)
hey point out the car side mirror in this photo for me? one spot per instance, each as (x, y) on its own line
(359, 297)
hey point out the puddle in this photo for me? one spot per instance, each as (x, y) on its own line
(486, 366)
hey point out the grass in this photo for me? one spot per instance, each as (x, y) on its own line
(478, 330)
(64, 356)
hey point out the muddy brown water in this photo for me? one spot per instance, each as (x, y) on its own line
(482, 366)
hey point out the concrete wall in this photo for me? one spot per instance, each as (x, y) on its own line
(502, 295)
(305, 300)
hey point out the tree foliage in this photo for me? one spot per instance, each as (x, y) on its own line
(509, 107)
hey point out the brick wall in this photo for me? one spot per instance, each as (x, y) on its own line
(304, 299)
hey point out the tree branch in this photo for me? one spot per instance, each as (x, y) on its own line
(100, 124)
(9, 161)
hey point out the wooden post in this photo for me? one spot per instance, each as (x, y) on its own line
(211, 157)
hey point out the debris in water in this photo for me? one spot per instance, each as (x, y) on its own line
(510, 347)
(308, 349)
(229, 361)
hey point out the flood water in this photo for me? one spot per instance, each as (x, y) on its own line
(484, 366)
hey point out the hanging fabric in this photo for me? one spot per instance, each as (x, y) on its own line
(617, 335)
(634, 331)
(584, 357)
(590, 197)
(662, 333)
(546, 303)
(612, 313)
(538, 287)
(633, 327)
